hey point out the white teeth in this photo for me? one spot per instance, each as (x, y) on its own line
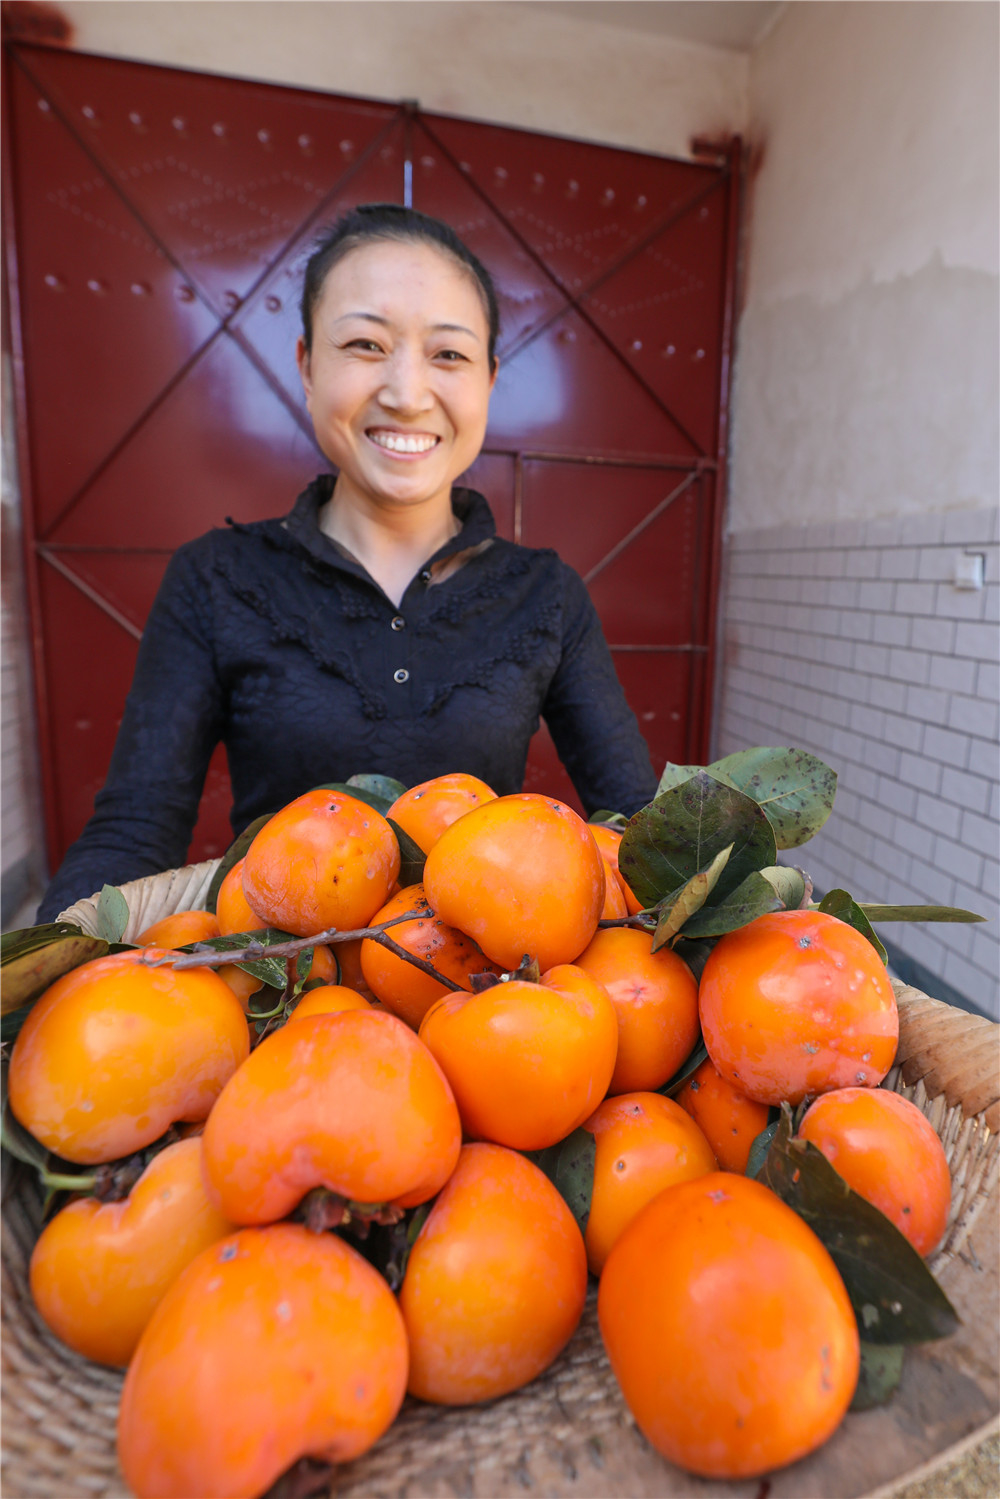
(397, 443)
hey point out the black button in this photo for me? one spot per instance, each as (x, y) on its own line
(402, 675)
(425, 575)
(399, 623)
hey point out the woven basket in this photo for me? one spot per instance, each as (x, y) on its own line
(569, 1433)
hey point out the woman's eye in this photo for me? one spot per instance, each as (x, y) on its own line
(367, 344)
(451, 356)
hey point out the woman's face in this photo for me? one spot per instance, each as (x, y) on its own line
(398, 380)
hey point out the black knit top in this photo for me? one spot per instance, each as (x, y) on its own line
(271, 639)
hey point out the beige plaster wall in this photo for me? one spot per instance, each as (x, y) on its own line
(503, 62)
(866, 377)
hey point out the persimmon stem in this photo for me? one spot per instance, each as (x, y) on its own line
(640, 920)
(57, 1183)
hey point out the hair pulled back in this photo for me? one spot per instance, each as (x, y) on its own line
(371, 223)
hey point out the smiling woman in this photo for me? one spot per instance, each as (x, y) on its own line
(382, 625)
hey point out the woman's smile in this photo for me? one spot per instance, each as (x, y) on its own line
(400, 444)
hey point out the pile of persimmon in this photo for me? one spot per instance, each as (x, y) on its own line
(512, 997)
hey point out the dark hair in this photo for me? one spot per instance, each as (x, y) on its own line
(371, 222)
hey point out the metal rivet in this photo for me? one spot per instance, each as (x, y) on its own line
(699, 353)
(401, 676)
(273, 304)
(185, 294)
(347, 147)
(538, 179)
(399, 623)
(386, 153)
(703, 213)
(305, 141)
(55, 282)
(98, 287)
(608, 195)
(263, 136)
(45, 106)
(428, 161)
(231, 301)
(572, 187)
(567, 336)
(88, 112)
(670, 351)
(178, 122)
(636, 345)
(218, 128)
(141, 289)
(500, 173)
(641, 201)
(463, 166)
(135, 117)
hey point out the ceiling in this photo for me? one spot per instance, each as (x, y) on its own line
(736, 24)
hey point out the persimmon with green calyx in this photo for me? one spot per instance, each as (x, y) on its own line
(527, 1062)
(326, 860)
(645, 1143)
(495, 1282)
(273, 1345)
(797, 1003)
(890, 1154)
(98, 1270)
(728, 1328)
(352, 1102)
(520, 875)
(121, 1048)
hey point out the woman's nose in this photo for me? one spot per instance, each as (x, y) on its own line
(405, 387)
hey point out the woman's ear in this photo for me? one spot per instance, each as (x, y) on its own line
(302, 360)
(493, 376)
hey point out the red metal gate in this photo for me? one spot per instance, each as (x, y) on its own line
(158, 221)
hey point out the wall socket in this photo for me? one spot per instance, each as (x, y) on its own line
(970, 569)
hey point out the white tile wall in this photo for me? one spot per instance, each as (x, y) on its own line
(852, 642)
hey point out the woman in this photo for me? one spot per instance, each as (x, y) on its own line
(381, 626)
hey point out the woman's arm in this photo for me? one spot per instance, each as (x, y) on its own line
(174, 716)
(594, 730)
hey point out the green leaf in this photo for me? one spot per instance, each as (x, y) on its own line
(382, 786)
(842, 905)
(795, 789)
(270, 971)
(694, 954)
(686, 1070)
(569, 1166)
(759, 1147)
(36, 956)
(682, 831)
(895, 1297)
(917, 913)
(789, 884)
(411, 856)
(755, 897)
(234, 853)
(881, 1371)
(676, 775)
(607, 819)
(674, 911)
(112, 914)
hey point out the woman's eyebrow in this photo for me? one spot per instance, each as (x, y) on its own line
(373, 317)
